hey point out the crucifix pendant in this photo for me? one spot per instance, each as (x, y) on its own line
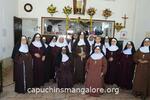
(111, 53)
(143, 56)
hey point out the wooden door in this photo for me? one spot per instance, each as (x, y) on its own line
(17, 29)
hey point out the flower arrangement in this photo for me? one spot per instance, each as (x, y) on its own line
(67, 10)
(51, 9)
(91, 11)
(107, 13)
(118, 26)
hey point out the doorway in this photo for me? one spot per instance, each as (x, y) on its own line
(17, 29)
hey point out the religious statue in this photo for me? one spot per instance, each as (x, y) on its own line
(79, 6)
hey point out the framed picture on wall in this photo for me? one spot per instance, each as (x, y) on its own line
(104, 27)
(79, 6)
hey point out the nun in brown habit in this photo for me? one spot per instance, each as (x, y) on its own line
(61, 42)
(127, 66)
(96, 67)
(37, 50)
(52, 54)
(113, 58)
(23, 72)
(81, 50)
(47, 64)
(141, 84)
(64, 69)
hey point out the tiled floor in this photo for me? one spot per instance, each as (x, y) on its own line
(9, 94)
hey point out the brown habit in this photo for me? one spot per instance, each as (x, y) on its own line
(23, 72)
(79, 63)
(94, 68)
(141, 83)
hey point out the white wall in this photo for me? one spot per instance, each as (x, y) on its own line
(29, 27)
(118, 7)
(8, 9)
(142, 21)
(137, 11)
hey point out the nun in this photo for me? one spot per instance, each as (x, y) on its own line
(127, 66)
(96, 67)
(61, 42)
(37, 50)
(106, 42)
(98, 43)
(74, 38)
(44, 40)
(91, 42)
(81, 50)
(23, 66)
(141, 85)
(113, 58)
(47, 60)
(64, 70)
(52, 46)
